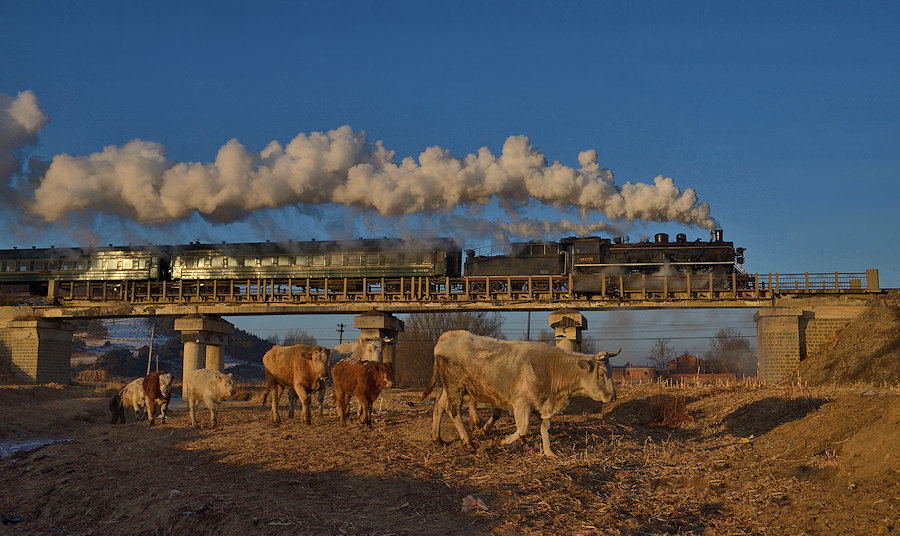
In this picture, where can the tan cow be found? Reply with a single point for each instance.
(210, 387)
(301, 367)
(516, 375)
(130, 396)
(364, 349)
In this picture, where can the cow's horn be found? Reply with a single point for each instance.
(615, 354)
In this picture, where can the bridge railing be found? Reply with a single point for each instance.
(815, 283)
(595, 287)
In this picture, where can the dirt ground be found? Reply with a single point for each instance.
(737, 459)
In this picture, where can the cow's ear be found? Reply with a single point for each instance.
(586, 365)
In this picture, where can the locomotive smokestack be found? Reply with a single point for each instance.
(715, 235)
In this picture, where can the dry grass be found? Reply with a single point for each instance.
(92, 376)
(248, 390)
(706, 459)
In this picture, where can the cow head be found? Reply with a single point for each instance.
(319, 356)
(165, 384)
(227, 383)
(597, 379)
(373, 350)
(386, 373)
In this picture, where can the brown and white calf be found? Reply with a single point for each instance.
(210, 387)
(363, 380)
(157, 390)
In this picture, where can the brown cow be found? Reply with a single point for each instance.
(362, 379)
(157, 390)
(367, 350)
(301, 367)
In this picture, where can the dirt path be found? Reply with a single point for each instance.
(738, 460)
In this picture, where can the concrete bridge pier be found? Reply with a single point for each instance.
(373, 325)
(785, 336)
(204, 338)
(568, 325)
(36, 351)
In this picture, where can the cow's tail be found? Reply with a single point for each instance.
(435, 372)
(270, 381)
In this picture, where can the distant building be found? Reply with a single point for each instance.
(628, 373)
(691, 367)
(687, 364)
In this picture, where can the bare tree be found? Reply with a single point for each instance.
(299, 336)
(660, 354)
(589, 346)
(547, 336)
(415, 350)
(730, 352)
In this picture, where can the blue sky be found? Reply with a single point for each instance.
(783, 117)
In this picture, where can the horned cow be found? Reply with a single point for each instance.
(516, 375)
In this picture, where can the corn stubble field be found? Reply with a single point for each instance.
(723, 459)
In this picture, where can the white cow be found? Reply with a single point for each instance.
(516, 375)
(130, 396)
(209, 386)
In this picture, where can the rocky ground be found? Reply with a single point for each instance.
(727, 459)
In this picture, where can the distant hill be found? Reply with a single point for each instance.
(121, 346)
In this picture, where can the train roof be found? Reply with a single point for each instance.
(309, 246)
(275, 247)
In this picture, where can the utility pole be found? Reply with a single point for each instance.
(150, 355)
(340, 330)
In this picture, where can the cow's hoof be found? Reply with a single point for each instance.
(438, 442)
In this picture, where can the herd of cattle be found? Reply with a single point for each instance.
(519, 376)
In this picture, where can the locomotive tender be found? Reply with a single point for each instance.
(583, 258)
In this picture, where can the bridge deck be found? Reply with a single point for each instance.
(536, 289)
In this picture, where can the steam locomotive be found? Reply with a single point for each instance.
(582, 257)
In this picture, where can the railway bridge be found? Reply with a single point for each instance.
(796, 313)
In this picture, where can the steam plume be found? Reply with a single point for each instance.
(21, 119)
(137, 181)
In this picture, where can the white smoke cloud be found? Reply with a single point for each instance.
(21, 119)
(138, 182)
